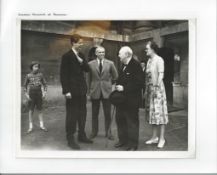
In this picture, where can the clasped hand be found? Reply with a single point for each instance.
(68, 95)
(119, 88)
(80, 60)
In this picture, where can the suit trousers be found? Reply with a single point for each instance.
(95, 113)
(127, 120)
(75, 114)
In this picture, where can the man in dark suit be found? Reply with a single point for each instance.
(74, 88)
(102, 74)
(130, 82)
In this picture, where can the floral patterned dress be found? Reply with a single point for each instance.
(156, 103)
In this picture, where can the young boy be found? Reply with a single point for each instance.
(35, 89)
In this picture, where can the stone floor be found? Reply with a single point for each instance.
(54, 139)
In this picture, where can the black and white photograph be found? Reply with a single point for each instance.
(108, 86)
(104, 85)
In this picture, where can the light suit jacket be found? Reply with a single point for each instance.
(101, 82)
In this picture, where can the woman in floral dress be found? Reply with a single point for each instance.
(156, 103)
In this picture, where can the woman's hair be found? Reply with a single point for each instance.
(75, 38)
(153, 46)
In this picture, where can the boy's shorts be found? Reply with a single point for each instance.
(35, 99)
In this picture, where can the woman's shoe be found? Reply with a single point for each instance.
(152, 141)
(161, 143)
(43, 129)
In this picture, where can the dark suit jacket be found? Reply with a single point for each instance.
(72, 74)
(132, 80)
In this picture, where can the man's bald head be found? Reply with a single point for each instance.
(127, 50)
(125, 54)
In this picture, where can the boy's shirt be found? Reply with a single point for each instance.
(35, 80)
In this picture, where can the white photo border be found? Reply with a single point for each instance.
(203, 105)
(190, 153)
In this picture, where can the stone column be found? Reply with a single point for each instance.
(157, 38)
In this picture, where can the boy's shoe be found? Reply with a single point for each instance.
(29, 130)
(110, 137)
(43, 129)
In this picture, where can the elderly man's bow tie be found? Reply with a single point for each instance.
(124, 66)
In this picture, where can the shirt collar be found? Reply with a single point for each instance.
(128, 60)
(75, 51)
(98, 61)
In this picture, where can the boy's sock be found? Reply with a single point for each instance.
(41, 124)
(30, 125)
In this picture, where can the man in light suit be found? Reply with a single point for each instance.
(102, 74)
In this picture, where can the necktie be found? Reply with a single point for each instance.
(100, 66)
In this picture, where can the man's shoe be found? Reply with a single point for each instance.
(110, 137)
(73, 145)
(84, 140)
(92, 136)
(134, 148)
(119, 144)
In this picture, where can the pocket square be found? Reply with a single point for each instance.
(128, 73)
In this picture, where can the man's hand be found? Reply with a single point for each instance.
(88, 97)
(44, 94)
(119, 88)
(80, 60)
(68, 95)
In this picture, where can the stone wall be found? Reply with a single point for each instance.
(179, 43)
(48, 47)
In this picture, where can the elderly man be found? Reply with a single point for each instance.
(130, 82)
(102, 74)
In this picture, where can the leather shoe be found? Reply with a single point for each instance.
(92, 136)
(43, 129)
(110, 137)
(119, 144)
(134, 148)
(73, 145)
(84, 140)
(29, 130)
